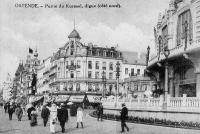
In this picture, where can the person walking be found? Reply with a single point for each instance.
(100, 112)
(10, 111)
(124, 116)
(53, 118)
(45, 115)
(19, 112)
(5, 107)
(30, 109)
(62, 117)
(79, 116)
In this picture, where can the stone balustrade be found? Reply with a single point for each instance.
(179, 104)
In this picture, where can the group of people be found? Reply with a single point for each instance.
(10, 108)
(59, 113)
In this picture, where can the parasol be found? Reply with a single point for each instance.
(70, 103)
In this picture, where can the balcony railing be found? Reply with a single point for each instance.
(86, 79)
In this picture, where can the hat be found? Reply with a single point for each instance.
(62, 104)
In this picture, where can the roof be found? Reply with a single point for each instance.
(134, 58)
(74, 34)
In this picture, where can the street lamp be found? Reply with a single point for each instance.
(147, 55)
(104, 83)
(166, 53)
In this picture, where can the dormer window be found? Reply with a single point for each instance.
(111, 54)
(104, 53)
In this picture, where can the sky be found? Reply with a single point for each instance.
(130, 27)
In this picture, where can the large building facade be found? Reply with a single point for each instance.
(77, 67)
(175, 65)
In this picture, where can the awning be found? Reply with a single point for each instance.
(36, 99)
(76, 98)
(94, 99)
(61, 98)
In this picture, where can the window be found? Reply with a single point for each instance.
(78, 74)
(104, 66)
(97, 64)
(126, 70)
(98, 53)
(66, 74)
(111, 54)
(72, 52)
(72, 75)
(164, 38)
(184, 27)
(72, 63)
(138, 71)
(78, 87)
(89, 52)
(110, 89)
(111, 66)
(132, 71)
(96, 75)
(78, 64)
(89, 74)
(96, 87)
(110, 76)
(66, 64)
(104, 53)
(90, 64)
(89, 87)
(70, 87)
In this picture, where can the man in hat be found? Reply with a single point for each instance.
(124, 116)
(45, 114)
(100, 112)
(62, 116)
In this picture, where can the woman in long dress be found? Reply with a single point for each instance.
(79, 116)
(53, 118)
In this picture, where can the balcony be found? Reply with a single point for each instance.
(176, 51)
(82, 79)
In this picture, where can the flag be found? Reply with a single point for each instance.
(30, 51)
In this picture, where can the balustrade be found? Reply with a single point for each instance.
(173, 103)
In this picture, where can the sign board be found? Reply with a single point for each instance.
(77, 98)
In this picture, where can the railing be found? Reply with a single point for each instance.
(179, 104)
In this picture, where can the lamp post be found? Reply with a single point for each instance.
(104, 83)
(117, 77)
(147, 55)
(166, 53)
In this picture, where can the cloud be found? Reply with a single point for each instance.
(48, 29)
(128, 37)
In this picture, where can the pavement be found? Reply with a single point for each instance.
(91, 126)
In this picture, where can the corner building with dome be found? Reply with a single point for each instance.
(77, 67)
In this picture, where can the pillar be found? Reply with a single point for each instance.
(177, 90)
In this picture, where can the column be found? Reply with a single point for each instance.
(176, 90)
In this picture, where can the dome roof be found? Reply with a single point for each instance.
(74, 34)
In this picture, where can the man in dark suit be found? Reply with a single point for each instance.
(62, 116)
(124, 116)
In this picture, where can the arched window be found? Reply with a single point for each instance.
(184, 28)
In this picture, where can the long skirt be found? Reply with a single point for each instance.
(52, 125)
(33, 120)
